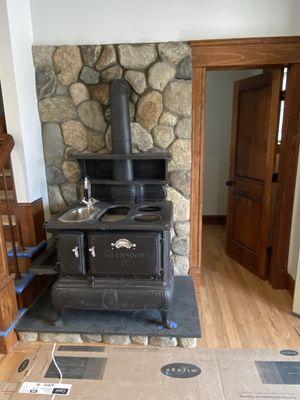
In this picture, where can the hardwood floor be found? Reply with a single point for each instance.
(238, 310)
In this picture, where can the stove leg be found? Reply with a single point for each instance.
(167, 323)
(59, 317)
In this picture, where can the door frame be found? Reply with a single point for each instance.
(244, 54)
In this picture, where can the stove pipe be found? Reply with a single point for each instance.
(121, 139)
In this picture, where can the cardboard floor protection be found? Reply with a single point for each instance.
(144, 323)
(120, 373)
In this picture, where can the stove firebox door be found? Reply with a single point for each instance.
(71, 253)
(125, 254)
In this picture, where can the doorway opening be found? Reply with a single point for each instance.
(243, 135)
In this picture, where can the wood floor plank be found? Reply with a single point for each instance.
(238, 310)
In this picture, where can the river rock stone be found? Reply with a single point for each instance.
(163, 341)
(180, 180)
(75, 134)
(173, 52)
(100, 93)
(67, 64)
(92, 338)
(182, 229)
(180, 246)
(79, 93)
(160, 74)
(56, 109)
(137, 56)
(53, 144)
(188, 343)
(60, 337)
(45, 81)
(139, 340)
(96, 141)
(90, 54)
(141, 139)
(163, 136)
(28, 336)
(89, 76)
(107, 58)
(184, 128)
(56, 201)
(184, 68)
(71, 171)
(111, 73)
(54, 175)
(61, 90)
(137, 80)
(180, 151)
(70, 153)
(178, 97)
(181, 205)
(116, 339)
(42, 55)
(69, 192)
(168, 119)
(149, 108)
(181, 265)
(90, 113)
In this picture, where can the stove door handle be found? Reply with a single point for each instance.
(123, 243)
(92, 251)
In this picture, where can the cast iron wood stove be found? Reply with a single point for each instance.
(114, 252)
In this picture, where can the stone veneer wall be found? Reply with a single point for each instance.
(72, 85)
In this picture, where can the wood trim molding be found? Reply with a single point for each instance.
(198, 114)
(214, 219)
(250, 52)
(290, 285)
(227, 54)
(287, 173)
(32, 219)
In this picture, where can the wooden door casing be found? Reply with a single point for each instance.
(252, 163)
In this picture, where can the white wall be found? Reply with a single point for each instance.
(219, 96)
(19, 95)
(295, 231)
(115, 21)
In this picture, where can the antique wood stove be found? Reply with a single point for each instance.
(114, 247)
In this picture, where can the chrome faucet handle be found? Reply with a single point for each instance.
(88, 200)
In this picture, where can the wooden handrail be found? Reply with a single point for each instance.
(6, 146)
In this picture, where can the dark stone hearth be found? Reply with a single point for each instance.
(184, 312)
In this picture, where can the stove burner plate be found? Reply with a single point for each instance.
(146, 217)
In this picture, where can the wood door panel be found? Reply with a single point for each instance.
(252, 162)
(246, 212)
(253, 116)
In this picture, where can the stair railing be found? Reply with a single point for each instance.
(6, 146)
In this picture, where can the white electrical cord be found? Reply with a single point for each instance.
(57, 367)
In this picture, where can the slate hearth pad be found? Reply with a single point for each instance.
(145, 323)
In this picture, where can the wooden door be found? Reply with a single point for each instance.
(252, 161)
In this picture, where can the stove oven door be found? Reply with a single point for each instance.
(71, 253)
(125, 254)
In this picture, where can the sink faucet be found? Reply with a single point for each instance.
(88, 200)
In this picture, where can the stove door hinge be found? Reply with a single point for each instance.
(275, 177)
(269, 250)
